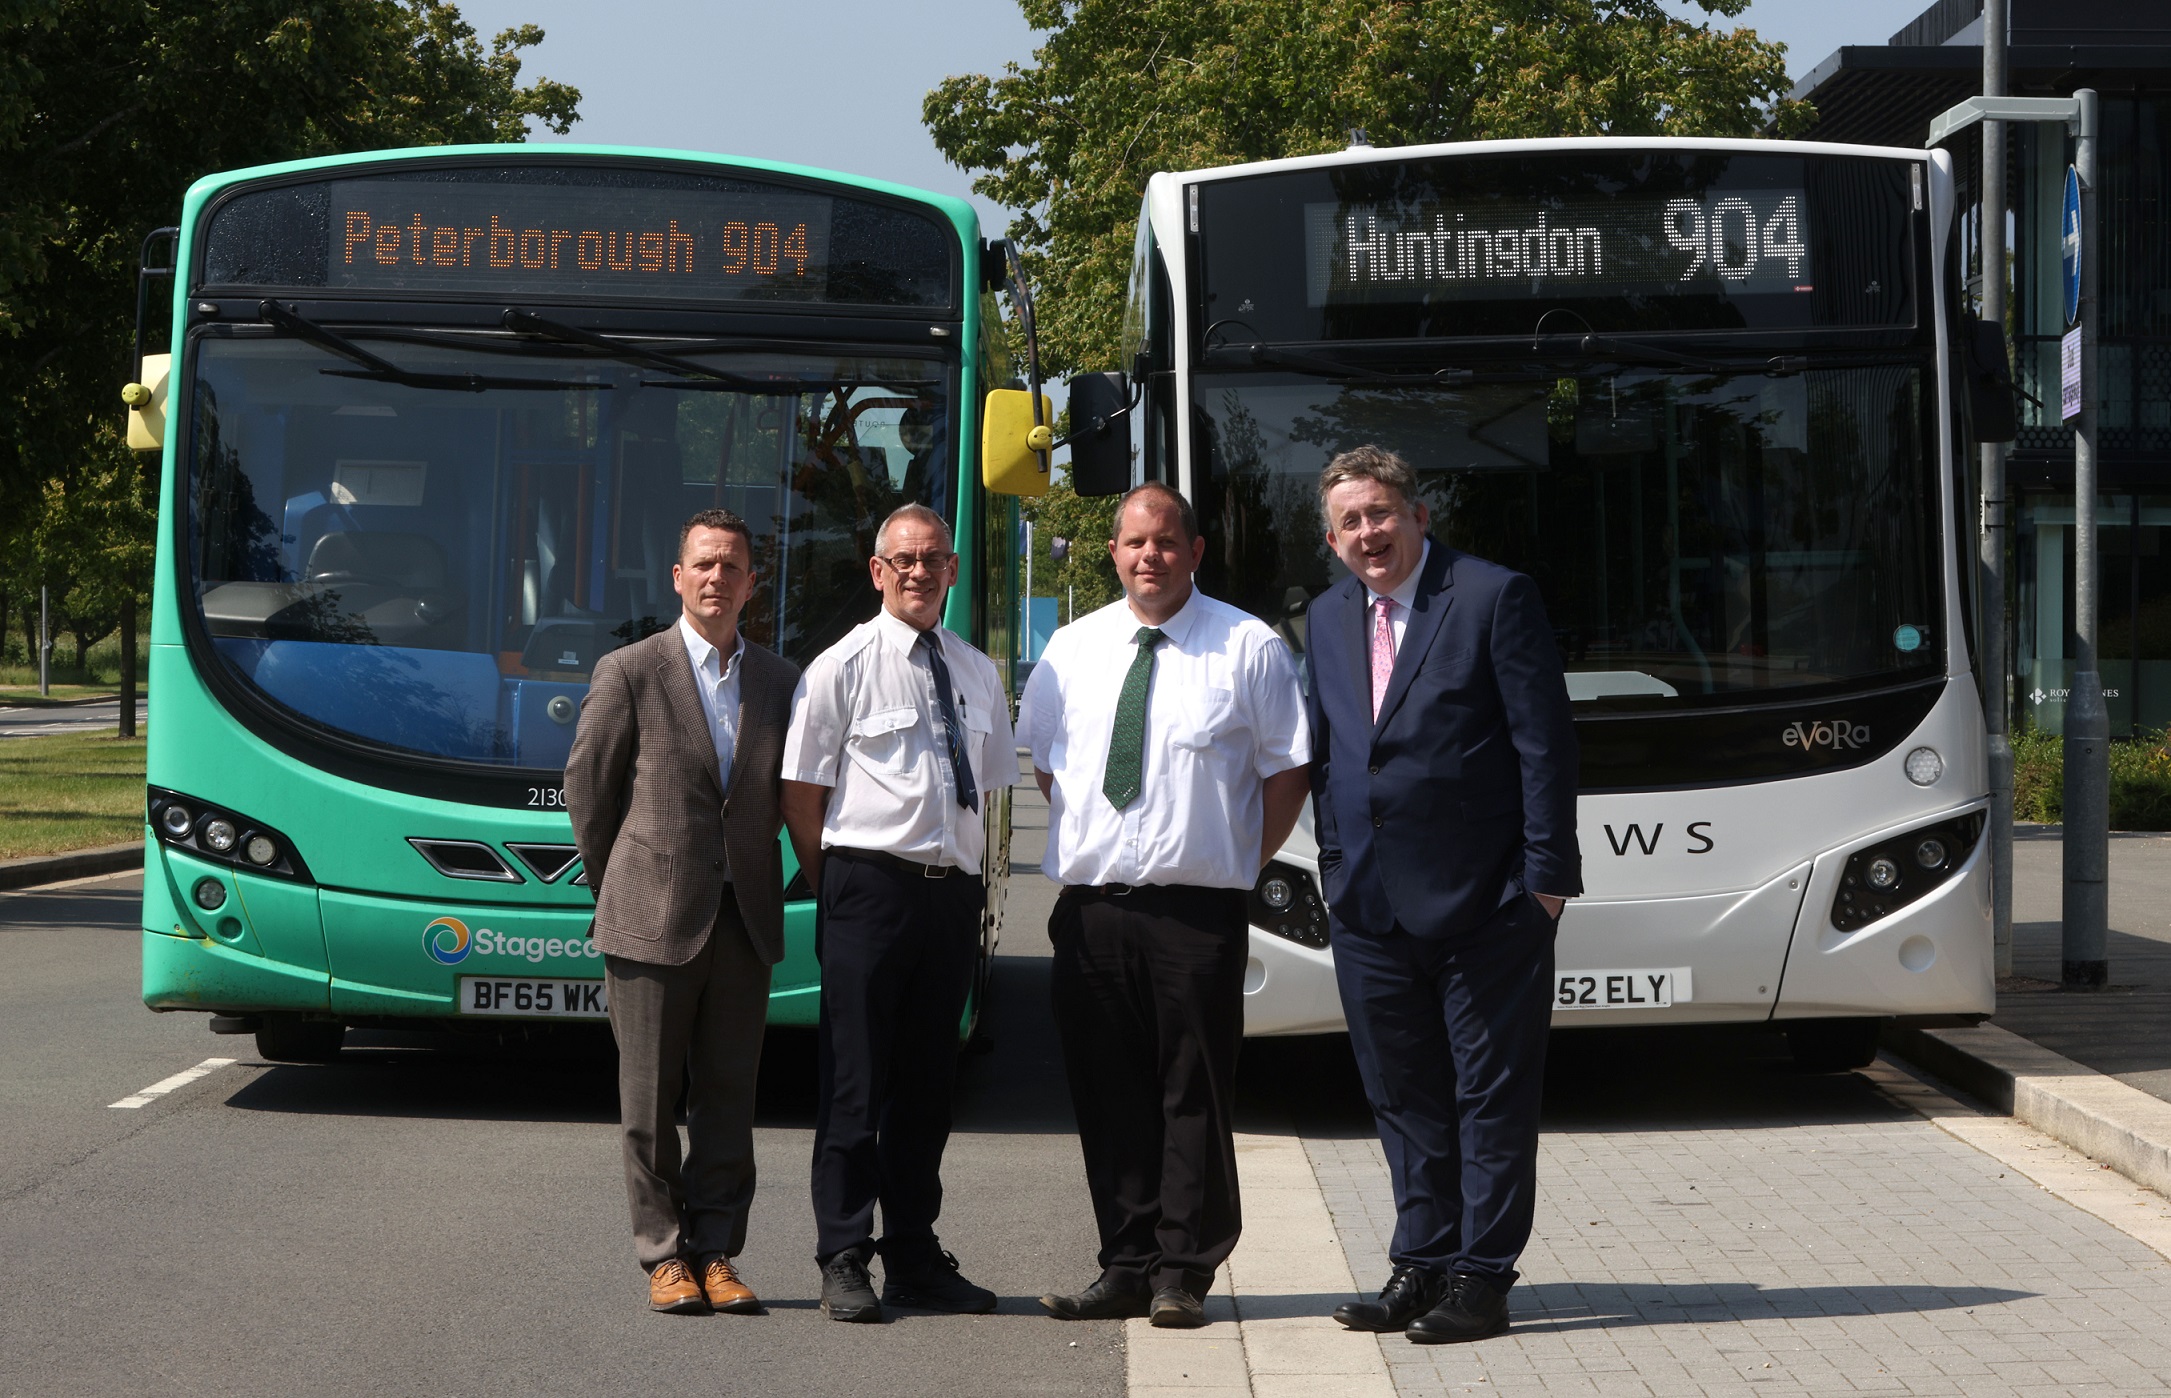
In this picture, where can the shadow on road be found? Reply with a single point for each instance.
(1547, 1308)
(1596, 1080)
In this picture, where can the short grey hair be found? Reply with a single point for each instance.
(917, 512)
(1370, 462)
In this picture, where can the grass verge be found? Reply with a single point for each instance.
(2140, 780)
(63, 695)
(69, 792)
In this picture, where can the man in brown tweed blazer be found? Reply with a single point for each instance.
(672, 785)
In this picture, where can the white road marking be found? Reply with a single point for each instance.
(165, 1085)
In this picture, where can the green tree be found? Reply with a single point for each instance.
(1122, 88)
(109, 109)
(1086, 579)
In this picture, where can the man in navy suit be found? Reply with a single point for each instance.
(1444, 790)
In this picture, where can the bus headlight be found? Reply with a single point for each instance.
(1924, 766)
(1286, 903)
(223, 836)
(1887, 876)
(210, 895)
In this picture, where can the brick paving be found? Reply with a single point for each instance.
(1785, 1235)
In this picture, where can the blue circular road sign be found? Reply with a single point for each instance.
(2070, 242)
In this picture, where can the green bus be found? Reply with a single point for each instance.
(430, 422)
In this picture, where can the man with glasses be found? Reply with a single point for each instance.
(900, 734)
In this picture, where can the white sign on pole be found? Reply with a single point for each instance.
(2069, 374)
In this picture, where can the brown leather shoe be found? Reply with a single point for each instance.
(672, 1288)
(726, 1292)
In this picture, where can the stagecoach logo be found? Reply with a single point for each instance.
(446, 941)
(1836, 734)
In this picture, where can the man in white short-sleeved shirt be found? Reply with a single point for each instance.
(900, 733)
(1167, 731)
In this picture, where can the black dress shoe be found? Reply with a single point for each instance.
(1110, 1298)
(1472, 1309)
(1409, 1293)
(1176, 1309)
(934, 1285)
(848, 1292)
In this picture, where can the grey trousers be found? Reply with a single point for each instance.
(699, 1026)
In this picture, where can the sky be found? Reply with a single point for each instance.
(838, 83)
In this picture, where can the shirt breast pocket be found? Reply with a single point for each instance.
(979, 725)
(1208, 713)
(882, 741)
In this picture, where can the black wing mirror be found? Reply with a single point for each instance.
(1993, 401)
(1100, 439)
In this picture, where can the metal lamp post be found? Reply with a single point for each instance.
(2084, 961)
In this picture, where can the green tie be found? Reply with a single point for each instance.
(1127, 740)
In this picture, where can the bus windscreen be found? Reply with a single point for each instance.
(1627, 240)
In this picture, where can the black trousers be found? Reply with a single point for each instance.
(1450, 1037)
(897, 953)
(1148, 989)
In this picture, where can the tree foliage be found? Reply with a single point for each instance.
(1086, 578)
(1123, 88)
(109, 110)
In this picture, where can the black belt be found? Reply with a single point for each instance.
(899, 863)
(1125, 890)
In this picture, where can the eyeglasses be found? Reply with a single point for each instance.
(1377, 517)
(904, 563)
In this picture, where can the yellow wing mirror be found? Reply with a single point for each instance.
(146, 402)
(1013, 446)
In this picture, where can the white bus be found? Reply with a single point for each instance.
(1713, 396)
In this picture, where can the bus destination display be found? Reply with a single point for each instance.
(444, 236)
(1731, 241)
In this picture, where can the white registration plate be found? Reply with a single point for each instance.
(1645, 989)
(525, 997)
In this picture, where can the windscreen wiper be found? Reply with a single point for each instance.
(704, 376)
(1338, 369)
(379, 369)
(1643, 351)
(1595, 344)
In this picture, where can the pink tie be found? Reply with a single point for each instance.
(1383, 654)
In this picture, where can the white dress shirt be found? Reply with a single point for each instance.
(865, 721)
(1404, 596)
(1224, 714)
(716, 680)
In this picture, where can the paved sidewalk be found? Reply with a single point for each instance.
(2124, 1030)
(1800, 1253)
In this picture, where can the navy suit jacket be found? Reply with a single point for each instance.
(1463, 795)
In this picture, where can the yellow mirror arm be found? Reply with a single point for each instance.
(135, 395)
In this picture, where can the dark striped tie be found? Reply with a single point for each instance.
(1127, 740)
(953, 732)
